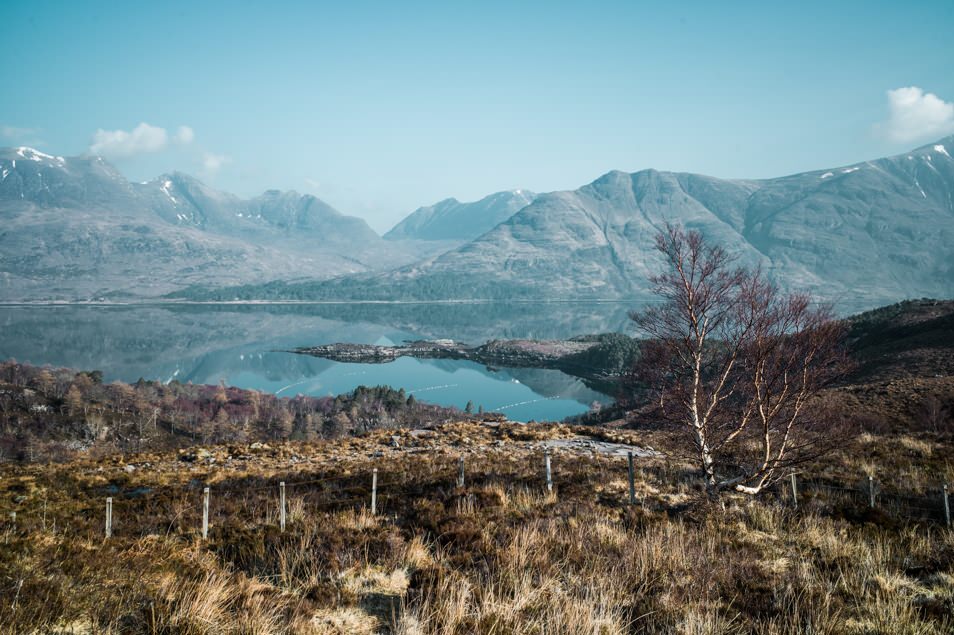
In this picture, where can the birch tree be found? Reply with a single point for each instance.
(734, 362)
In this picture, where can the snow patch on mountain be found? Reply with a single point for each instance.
(35, 155)
(166, 185)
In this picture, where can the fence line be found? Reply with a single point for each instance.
(937, 507)
(866, 492)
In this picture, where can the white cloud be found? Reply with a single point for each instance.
(916, 115)
(212, 162)
(119, 143)
(184, 135)
(146, 138)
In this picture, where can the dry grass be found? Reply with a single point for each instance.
(501, 555)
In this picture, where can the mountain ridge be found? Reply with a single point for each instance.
(75, 228)
(451, 219)
(872, 231)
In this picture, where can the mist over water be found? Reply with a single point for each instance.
(243, 345)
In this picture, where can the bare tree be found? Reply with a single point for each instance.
(733, 362)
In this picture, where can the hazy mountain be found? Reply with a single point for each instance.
(865, 233)
(75, 228)
(184, 200)
(452, 220)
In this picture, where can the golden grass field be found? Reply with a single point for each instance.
(500, 555)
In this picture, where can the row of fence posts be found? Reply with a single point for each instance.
(460, 484)
(947, 506)
(282, 507)
(871, 494)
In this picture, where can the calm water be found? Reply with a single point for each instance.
(242, 345)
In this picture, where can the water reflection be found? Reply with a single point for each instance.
(242, 345)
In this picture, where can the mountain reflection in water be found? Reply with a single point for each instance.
(241, 344)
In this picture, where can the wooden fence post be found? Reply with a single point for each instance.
(794, 491)
(109, 517)
(281, 508)
(546, 456)
(374, 491)
(632, 478)
(871, 492)
(947, 506)
(460, 472)
(205, 513)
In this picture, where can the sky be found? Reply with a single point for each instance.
(381, 107)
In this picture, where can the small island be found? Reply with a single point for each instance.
(597, 359)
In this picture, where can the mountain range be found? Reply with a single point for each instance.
(865, 234)
(869, 233)
(74, 228)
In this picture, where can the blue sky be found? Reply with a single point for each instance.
(379, 108)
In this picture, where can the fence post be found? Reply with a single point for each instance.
(281, 509)
(109, 517)
(794, 491)
(546, 455)
(460, 472)
(632, 478)
(947, 506)
(374, 491)
(205, 513)
(871, 492)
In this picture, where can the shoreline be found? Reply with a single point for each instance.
(79, 303)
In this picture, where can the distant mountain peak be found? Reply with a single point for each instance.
(32, 154)
(452, 220)
(27, 156)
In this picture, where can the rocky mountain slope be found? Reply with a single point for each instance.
(75, 228)
(864, 234)
(455, 221)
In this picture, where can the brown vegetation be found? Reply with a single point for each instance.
(57, 414)
(500, 555)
